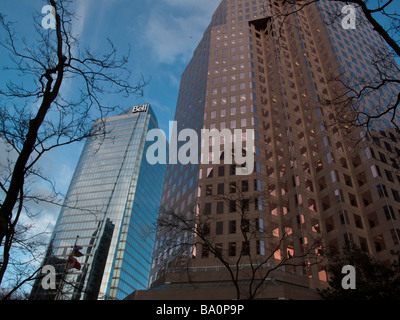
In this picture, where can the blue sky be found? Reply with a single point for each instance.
(162, 35)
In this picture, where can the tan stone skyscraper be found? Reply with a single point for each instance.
(317, 182)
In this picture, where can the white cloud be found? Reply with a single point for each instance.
(175, 27)
(42, 215)
(174, 80)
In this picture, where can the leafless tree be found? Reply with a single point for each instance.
(38, 115)
(249, 267)
(15, 291)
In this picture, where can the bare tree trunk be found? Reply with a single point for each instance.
(49, 66)
(18, 175)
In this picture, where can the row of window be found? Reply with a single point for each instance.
(383, 157)
(234, 225)
(233, 187)
(232, 249)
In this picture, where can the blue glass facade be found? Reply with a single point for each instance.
(110, 210)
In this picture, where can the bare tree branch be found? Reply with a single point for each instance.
(38, 114)
(244, 264)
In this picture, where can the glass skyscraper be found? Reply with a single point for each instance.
(110, 212)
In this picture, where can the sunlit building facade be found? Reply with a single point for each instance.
(315, 179)
(110, 212)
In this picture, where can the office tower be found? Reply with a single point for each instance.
(315, 179)
(110, 213)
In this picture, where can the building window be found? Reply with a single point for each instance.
(221, 171)
(206, 229)
(396, 195)
(378, 170)
(358, 221)
(382, 157)
(209, 190)
(378, 246)
(232, 205)
(389, 212)
(260, 247)
(395, 235)
(232, 249)
(376, 141)
(245, 225)
(246, 248)
(353, 200)
(245, 186)
(259, 225)
(389, 175)
(257, 185)
(219, 228)
(244, 205)
(382, 190)
(232, 187)
(258, 204)
(220, 188)
(207, 208)
(394, 164)
(205, 251)
(232, 227)
(218, 249)
(220, 207)
(388, 147)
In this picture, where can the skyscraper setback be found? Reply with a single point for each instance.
(317, 183)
